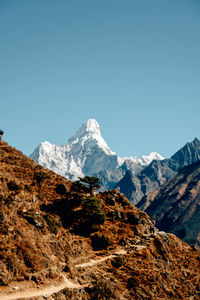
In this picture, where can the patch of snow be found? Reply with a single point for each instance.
(145, 160)
(152, 156)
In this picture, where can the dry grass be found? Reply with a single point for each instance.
(155, 266)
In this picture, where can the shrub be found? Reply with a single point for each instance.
(7, 200)
(1, 217)
(110, 201)
(132, 282)
(76, 186)
(92, 211)
(91, 203)
(2, 199)
(115, 215)
(99, 242)
(117, 262)
(102, 289)
(13, 186)
(96, 216)
(28, 188)
(85, 228)
(61, 189)
(3, 282)
(40, 197)
(3, 229)
(132, 219)
(88, 219)
(41, 176)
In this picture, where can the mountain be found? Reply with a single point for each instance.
(87, 154)
(59, 242)
(135, 186)
(175, 206)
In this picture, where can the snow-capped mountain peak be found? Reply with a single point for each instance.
(144, 160)
(89, 135)
(91, 127)
(86, 153)
(147, 159)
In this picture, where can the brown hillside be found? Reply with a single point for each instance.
(59, 242)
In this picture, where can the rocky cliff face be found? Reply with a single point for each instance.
(176, 205)
(110, 178)
(59, 242)
(135, 186)
(187, 155)
(88, 154)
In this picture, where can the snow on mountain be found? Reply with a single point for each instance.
(51, 157)
(145, 159)
(86, 153)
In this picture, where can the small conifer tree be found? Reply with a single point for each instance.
(91, 182)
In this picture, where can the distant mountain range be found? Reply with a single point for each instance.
(175, 206)
(135, 186)
(87, 153)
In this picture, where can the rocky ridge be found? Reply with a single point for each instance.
(57, 239)
(137, 185)
(176, 205)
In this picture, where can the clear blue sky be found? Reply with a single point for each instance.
(133, 65)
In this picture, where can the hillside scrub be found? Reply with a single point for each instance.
(47, 234)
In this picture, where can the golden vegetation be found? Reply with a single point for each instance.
(49, 225)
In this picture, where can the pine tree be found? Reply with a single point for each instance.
(91, 182)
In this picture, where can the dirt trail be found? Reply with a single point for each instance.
(93, 262)
(49, 290)
(43, 291)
